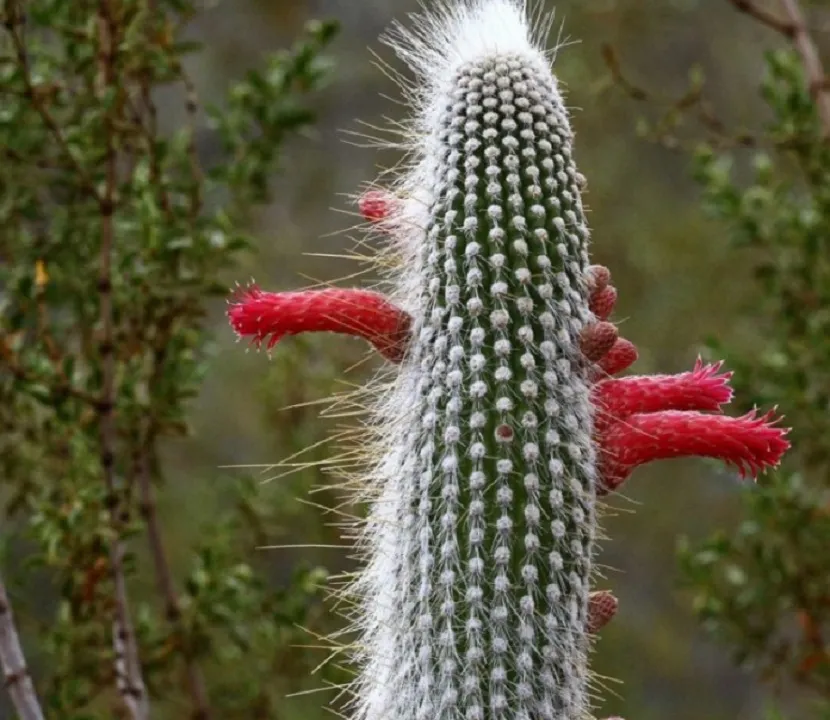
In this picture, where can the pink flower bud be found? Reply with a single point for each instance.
(374, 205)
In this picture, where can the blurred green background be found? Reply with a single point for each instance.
(679, 284)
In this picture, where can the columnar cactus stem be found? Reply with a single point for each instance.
(502, 423)
(477, 591)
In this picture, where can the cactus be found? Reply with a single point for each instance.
(501, 425)
(478, 591)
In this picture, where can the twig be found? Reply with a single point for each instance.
(128, 666)
(15, 674)
(764, 17)
(191, 108)
(692, 100)
(59, 389)
(794, 28)
(817, 82)
(164, 579)
(13, 22)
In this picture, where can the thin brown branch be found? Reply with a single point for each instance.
(191, 107)
(164, 577)
(165, 585)
(60, 388)
(794, 28)
(14, 20)
(673, 109)
(612, 62)
(816, 79)
(128, 666)
(149, 133)
(15, 673)
(765, 17)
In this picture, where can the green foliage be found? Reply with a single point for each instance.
(113, 240)
(765, 588)
(235, 618)
(261, 110)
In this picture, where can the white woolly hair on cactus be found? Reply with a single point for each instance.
(472, 602)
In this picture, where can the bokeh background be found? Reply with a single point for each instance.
(679, 283)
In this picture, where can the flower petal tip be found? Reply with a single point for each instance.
(713, 384)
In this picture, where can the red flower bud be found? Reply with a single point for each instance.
(374, 205)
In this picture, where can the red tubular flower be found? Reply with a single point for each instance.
(704, 388)
(362, 313)
(751, 443)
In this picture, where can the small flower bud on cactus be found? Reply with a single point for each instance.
(375, 205)
(602, 606)
(621, 356)
(502, 424)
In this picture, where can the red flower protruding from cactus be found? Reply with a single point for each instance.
(640, 419)
(603, 296)
(704, 388)
(362, 313)
(751, 443)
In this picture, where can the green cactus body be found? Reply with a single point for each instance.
(481, 533)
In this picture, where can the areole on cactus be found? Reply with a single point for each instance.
(502, 423)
